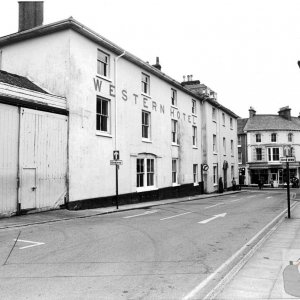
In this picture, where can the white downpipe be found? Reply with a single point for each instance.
(116, 102)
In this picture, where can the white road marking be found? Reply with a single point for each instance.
(251, 196)
(214, 217)
(31, 242)
(233, 196)
(214, 205)
(143, 214)
(269, 197)
(235, 200)
(176, 216)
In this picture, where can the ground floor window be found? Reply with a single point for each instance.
(258, 175)
(195, 173)
(145, 172)
(267, 176)
(215, 174)
(174, 171)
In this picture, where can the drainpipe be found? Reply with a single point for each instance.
(116, 102)
(18, 213)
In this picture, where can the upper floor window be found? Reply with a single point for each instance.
(214, 114)
(231, 148)
(290, 137)
(224, 146)
(240, 156)
(103, 115)
(194, 128)
(173, 97)
(194, 107)
(273, 137)
(239, 140)
(215, 149)
(174, 131)
(273, 154)
(258, 154)
(231, 123)
(223, 118)
(146, 124)
(258, 138)
(215, 175)
(102, 63)
(145, 84)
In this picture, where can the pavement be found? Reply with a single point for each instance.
(268, 271)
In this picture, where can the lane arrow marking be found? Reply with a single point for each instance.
(214, 217)
(31, 242)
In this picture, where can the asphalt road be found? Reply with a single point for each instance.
(161, 252)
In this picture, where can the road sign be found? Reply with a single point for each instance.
(116, 162)
(116, 155)
(287, 159)
(205, 167)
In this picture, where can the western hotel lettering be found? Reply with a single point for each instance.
(147, 103)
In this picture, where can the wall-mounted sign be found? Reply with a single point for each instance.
(205, 167)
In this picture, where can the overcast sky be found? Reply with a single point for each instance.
(245, 50)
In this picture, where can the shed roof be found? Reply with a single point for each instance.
(19, 81)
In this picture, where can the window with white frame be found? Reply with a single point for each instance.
(146, 124)
(215, 148)
(273, 154)
(258, 138)
(174, 131)
(224, 146)
(102, 63)
(215, 175)
(290, 137)
(194, 108)
(145, 84)
(145, 172)
(258, 153)
(195, 173)
(273, 137)
(214, 114)
(231, 148)
(174, 171)
(194, 128)
(173, 97)
(223, 118)
(103, 115)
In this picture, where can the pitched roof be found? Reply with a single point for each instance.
(73, 24)
(240, 125)
(271, 122)
(19, 81)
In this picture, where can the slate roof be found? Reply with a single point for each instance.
(19, 81)
(240, 125)
(271, 122)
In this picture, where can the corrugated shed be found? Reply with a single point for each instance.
(19, 81)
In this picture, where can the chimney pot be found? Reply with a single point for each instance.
(157, 65)
(31, 14)
(252, 112)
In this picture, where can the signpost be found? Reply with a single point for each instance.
(287, 159)
(117, 162)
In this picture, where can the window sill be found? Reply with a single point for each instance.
(146, 141)
(194, 115)
(195, 147)
(104, 134)
(175, 145)
(175, 184)
(146, 95)
(196, 183)
(173, 106)
(104, 78)
(215, 153)
(146, 189)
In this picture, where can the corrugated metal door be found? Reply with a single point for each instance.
(43, 159)
(9, 128)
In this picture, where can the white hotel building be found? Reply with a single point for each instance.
(165, 131)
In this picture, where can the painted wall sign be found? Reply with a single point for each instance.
(146, 103)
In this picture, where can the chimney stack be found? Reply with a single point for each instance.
(157, 65)
(285, 112)
(31, 14)
(252, 112)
